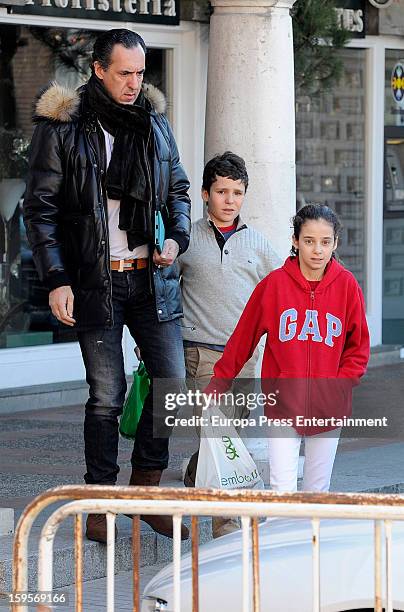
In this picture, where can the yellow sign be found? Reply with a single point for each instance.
(397, 83)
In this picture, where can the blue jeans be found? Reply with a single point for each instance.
(162, 352)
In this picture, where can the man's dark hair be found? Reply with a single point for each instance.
(228, 165)
(105, 42)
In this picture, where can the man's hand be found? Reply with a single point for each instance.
(168, 254)
(61, 304)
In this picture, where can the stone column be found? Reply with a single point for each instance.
(250, 106)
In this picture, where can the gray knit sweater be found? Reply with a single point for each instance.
(216, 286)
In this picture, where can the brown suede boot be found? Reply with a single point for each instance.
(222, 525)
(159, 524)
(96, 528)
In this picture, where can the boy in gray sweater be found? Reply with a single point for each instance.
(224, 262)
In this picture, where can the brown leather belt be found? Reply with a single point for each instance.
(126, 265)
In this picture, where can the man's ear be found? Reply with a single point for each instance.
(205, 195)
(98, 70)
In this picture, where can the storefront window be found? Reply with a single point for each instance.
(393, 204)
(394, 88)
(330, 156)
(32, 57)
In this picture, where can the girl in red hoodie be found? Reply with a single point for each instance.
(317, 347)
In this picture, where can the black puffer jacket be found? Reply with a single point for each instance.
(65, 208)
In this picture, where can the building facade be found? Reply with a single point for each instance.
(349, 148)
(46, 40)
(349, 154)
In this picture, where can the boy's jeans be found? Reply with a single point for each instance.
(162, 352)
(200, 362)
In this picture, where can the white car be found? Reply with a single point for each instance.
(346, 570)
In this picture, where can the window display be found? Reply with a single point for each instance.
(330, 155)
(31, 58)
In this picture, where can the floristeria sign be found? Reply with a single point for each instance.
(143, 11)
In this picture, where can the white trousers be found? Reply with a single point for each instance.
(319, 455)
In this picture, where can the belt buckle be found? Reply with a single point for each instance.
(121, 265)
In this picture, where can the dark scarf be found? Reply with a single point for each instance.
(130, 172)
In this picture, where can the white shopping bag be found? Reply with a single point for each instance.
(224, 462)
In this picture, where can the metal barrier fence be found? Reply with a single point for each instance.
(197, 502)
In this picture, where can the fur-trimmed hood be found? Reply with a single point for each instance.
(60, 103)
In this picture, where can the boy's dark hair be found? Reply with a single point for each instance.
(315, 212)
(105, 42)
(228, 165)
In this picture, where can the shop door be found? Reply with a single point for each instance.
(393, 236)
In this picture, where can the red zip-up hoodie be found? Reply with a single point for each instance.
(317, 334)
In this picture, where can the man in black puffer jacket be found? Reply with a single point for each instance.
(103, 160)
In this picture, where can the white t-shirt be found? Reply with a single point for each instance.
(118, 240)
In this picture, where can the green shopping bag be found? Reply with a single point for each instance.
(134, 403)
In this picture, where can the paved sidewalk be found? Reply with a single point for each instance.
(95, 591)
(40, 449)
